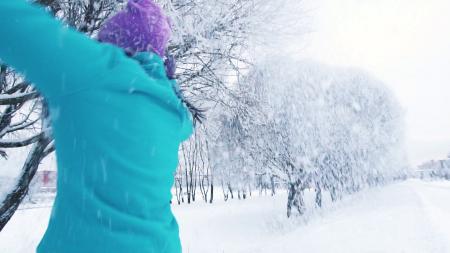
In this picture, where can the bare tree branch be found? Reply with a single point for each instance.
(21, 143)
(17, 99)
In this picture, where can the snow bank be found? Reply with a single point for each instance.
(411, 217)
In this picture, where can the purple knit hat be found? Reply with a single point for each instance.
(141, 27)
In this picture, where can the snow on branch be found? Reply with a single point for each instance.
(20, 143)
(6, 99)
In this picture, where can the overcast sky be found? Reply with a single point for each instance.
(405, 43)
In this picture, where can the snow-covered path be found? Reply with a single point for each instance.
(410, 217)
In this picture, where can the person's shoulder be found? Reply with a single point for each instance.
(152, 64)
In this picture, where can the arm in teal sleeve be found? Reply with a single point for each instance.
(57, 59)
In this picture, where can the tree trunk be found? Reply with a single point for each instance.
(295, 200)
(12, 201)
(212, 193)
(299, 203)
(225, 194)
(333, 194)
(291, 196)
(231, 191)
(272, 185)
(318, 195)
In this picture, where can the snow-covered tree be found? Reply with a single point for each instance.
(211, 44)
(335, 130)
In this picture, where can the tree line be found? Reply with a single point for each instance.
(299, 125)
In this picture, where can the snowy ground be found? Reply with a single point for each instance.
(410, 217)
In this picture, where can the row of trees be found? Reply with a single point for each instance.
(302, 125)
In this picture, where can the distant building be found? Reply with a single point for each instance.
(435, 169)
(46, 180)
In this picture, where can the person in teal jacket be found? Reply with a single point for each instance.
(117, 124)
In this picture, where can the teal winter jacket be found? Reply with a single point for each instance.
(117, 124)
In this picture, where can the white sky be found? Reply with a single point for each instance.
(405, 43)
